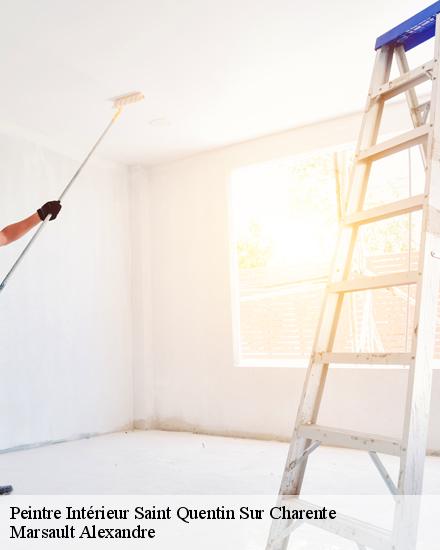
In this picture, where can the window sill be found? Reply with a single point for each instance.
(303, 364)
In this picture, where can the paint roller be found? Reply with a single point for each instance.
(119, 102)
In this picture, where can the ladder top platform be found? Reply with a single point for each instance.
(413, 31)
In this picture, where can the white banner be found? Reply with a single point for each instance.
(214, 521)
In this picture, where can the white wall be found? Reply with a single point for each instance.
(143, 370)
(65, 317)
(187, 242)
(131, 287)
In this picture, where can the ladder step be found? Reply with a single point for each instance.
(361, 532)
(405, 81)
(378, 281)
(379, 213)
(396, 144)
(349, 439)
(364, 358)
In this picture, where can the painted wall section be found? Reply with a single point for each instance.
(65, 317)
(143, 371)
(197, 388)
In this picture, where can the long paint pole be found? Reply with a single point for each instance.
(63, 194)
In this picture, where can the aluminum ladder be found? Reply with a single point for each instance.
(308, 433)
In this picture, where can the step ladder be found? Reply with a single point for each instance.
(308, 433)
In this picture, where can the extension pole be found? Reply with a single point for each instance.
(63, 194)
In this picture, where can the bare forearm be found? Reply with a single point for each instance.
(11, 233)
(16, 230)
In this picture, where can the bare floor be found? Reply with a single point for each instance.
(155, 462)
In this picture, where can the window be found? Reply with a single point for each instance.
(285, 216)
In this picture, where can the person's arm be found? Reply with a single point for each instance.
(16, 230)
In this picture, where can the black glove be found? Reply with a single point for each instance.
(52, 207)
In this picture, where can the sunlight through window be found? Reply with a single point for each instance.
(285, 215)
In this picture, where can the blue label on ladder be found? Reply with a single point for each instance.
(413, 31)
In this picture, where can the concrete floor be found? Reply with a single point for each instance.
(155, 462)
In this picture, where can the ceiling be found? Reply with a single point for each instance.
(214, 72)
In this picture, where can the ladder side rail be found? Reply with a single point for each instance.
(420, 375)
(326, 332)
(411, 97)
(416, 422)
(316, 373)
(342, 262)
